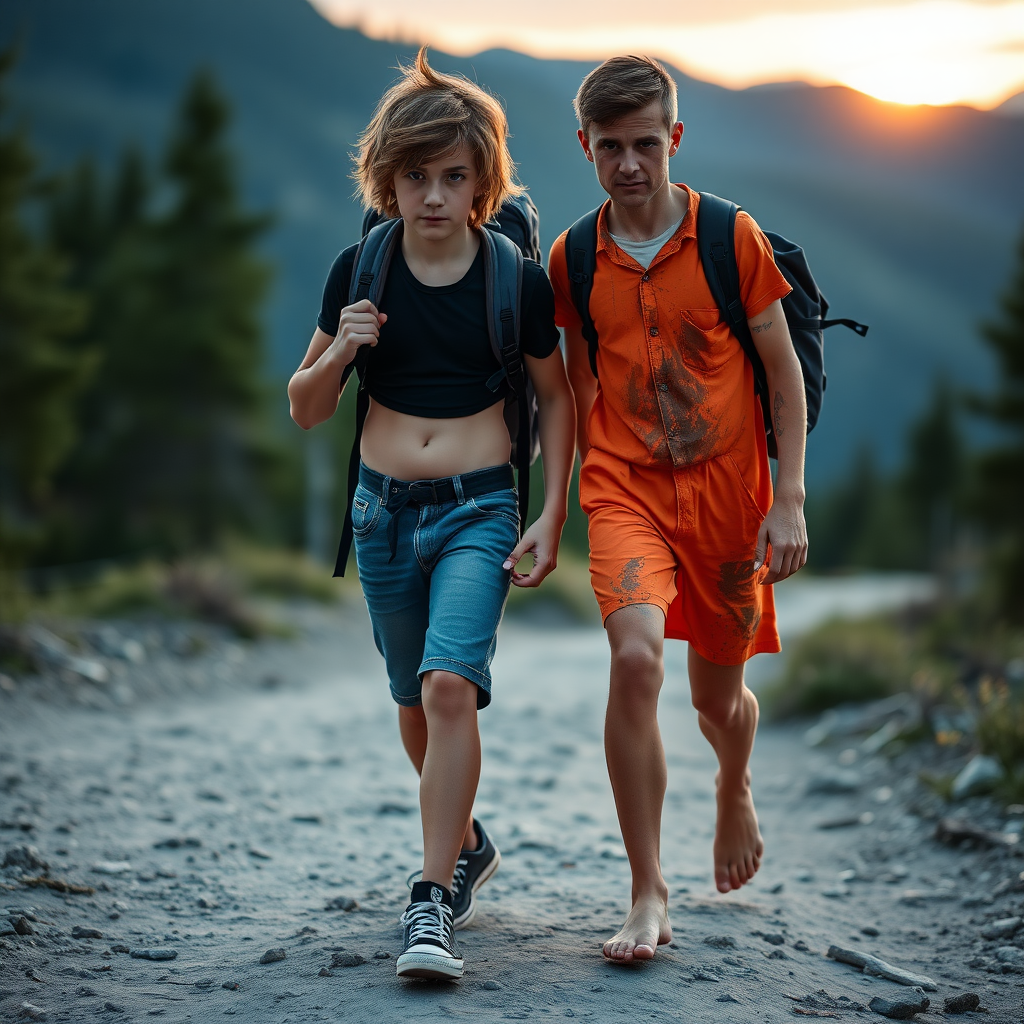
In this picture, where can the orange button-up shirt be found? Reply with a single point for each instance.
(674, 385)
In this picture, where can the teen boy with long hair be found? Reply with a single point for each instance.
(675, 478)
(435, 573)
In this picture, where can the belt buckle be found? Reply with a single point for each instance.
(423, 491)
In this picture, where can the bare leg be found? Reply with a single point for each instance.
(636, 766)
(450, 770)
(727, 712)
(412, 724)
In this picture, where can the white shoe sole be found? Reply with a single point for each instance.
(428, 965)
(470, 912)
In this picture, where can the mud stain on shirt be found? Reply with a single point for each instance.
(691, 436)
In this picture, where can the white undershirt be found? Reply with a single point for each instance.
(645, 251)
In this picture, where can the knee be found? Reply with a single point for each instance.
(720, 707)
(637, 671)
(448, 696)
(412, 716)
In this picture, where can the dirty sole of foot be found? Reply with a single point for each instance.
(428, 965)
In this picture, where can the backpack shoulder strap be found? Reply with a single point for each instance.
(373, 257)
(503, 277)
(716, 227)
(581, 263)
(369, 272)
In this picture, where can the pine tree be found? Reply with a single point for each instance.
(40, 372)
(173, 454)
(930, 488)
(1000, 492)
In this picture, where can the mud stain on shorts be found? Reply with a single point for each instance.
(629, 584)
(736, 585)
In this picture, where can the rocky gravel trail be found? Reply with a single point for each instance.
(230, 833)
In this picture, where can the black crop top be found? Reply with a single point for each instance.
(434, 355)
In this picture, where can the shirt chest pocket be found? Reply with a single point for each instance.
(705, 343)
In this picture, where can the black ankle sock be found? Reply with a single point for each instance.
(430, 892)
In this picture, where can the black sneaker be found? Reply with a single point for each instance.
(472, 869)
(429, 949)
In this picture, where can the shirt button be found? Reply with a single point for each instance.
(654, 332)
(646, 277)
(663, 387)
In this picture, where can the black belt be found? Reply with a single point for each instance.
(437, 492)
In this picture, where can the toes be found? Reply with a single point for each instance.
(722, 878)
(643, 952)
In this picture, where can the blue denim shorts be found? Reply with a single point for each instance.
(436, 603)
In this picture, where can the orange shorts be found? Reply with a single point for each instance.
(684, 540)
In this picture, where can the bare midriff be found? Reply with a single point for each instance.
(418, 448)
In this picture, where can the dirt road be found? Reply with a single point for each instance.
(268, 808)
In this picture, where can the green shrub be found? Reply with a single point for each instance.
(1000, 732)
(840, 662)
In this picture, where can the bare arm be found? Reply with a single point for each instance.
(315, 387)
(583, 381)
(557, 439)
(784, 527)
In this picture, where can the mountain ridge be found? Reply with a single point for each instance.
(909, 215)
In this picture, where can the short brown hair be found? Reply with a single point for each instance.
(622, 85)
(426, 115)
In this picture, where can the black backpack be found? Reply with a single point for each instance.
(805, 307)
(517, 225)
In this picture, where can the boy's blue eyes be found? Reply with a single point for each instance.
(420, 176)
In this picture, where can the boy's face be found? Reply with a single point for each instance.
(436, 199)
(631, 154)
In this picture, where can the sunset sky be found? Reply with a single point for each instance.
(907, 51)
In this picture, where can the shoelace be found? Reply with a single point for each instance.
(427, 921)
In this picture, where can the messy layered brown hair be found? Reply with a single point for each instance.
(622, 85)
(424, 116)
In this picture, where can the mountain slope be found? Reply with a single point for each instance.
(908, 215)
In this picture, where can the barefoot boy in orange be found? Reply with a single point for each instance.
(686, 536)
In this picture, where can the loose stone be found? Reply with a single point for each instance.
(902, 1008)
(347, 960)
(720, 941)
(154, 954)
(272, 956)
(78, 932)
(345, 903)
(1002, 929)
(28, 858)
(965, 1002)
(493, 986)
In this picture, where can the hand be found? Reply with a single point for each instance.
(360, 325)
(542, 540)
(785, 530)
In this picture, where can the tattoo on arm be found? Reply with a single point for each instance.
(758, 328)
(780, 403)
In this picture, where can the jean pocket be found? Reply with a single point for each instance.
(366, 509)
(503, 504)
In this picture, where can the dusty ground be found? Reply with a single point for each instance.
(259, 785)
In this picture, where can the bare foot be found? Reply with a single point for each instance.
(646, 928)
(738, 846)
